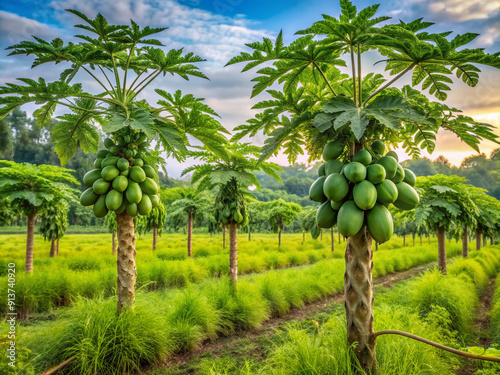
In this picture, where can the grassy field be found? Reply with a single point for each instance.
(177, 317)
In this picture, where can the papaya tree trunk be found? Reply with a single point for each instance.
(376, 246)
(249, 234)
(233, 253)
(441, 250)
(465, 243)
(321, 234)
(52, 248)
(492, 240)
(279, 236)
(155, 237)
(113, 240)
(478, 240)
(339, 237)
(420, 240)
(223, 236)
(127, 273)
(57, 246)
(404, 240)
(303, 237)
(413, 239)
(190, 234)
(30, 243)
(333, 239)
(484, 240)
(358, 291)
(429, 237)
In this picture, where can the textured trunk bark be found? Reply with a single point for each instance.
(52, 248)
(478, 240)
(333, 240)
(127, 273)
(441, 250)
(376, 246)
(29, 243)
(358, 291)
(57, 246)
(190, 234)
(279, 237)
(465, 243)
(113, 239)
(233, 253)
(492, 240)
(155, 238)
(223, 236)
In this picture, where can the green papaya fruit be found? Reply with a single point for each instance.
(387, 192)
(122, 207)
(101, 154)
(365, 195)
(155, 200)
(390, 165)
(399, 176)
(97, 163)
(149, 186)
(108, 142)
(410, 177)
(127, 139)
(91, 176)
(363, 157)
(350, 219)
(378, 147)
(125, 172)
(321, 170)
(114, 200)
(393, 154)
(375, 173)
(133, 192)
(131, 209)
(326, 217)
(408, 198)
(101, 187)
(355, 172)
(150, 172)
(380, 224)
(333, 166)
(120, 183)
(114, 150)
(129, 154)
(138, 162)
(122, 164)
(333, 150)
(110, 160)
(88, 197)
(142, 138)
(144, 207)
(316, 193)
(100, 209)
(109, 173)
(336, 187)
(137, 174)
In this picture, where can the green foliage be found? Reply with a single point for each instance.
(316, 100)
(110, 221)
(54, 220)
(30, 188)
(280, 213)
(155, 219)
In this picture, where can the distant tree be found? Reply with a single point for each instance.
(255, 210)
(230, 176)
(30, 189)
(6, 141)
(488, 218)
(154, 221)
(280, 213)
(445, 201)
(110, 222)
(307, 219)
(54, 222)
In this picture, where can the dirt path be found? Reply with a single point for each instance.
(216, 348)
(481, 326)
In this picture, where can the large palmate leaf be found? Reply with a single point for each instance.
(389, 111)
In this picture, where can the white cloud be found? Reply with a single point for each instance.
(213, 36)
(14, 28)
(460, 10)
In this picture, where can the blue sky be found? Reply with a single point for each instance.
(218, 30)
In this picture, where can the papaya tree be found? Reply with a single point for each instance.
(31, 189)
(110, 222)
(54, 222)
(122, 61)
(280, 213)
(307, 222)
(154, 221)
(445, 202)
(254, 215)
(343, 117)
(185, 210)
(230, 177)
(488, 218)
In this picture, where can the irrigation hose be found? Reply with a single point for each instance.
(435, 344)
(59, 366)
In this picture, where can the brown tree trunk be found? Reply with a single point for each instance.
(484, 240)
(404, 240)
(358, 291)
(30, 243)
(233, 253)
(52, 248)
(57, 246)
(155, 238)
(465, 243)
(127, 273)
(420, 240)
(249, 234)
(113, 239)
(492, 240)
(339, 237)
(478, 240)
(333, 239)
(223, 236)
(413, 238)
(279, 237)
(376, 246)
(190, 234)
(441, 250)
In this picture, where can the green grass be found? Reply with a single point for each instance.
(179, 319)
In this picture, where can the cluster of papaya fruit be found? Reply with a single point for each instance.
(230, 206)
(359, 191)
(122, 180)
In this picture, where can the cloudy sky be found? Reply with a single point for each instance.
(218, 30)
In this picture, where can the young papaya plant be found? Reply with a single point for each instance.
(343, 118)
(123, 60)
(31, 189)
(230, 175)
